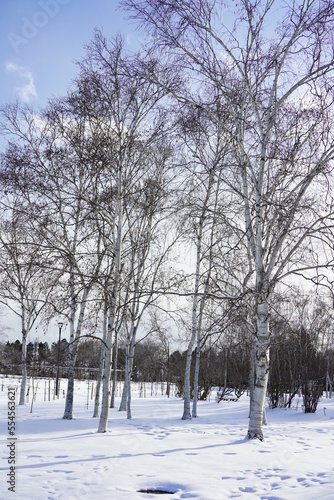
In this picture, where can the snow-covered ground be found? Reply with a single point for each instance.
(206, 458)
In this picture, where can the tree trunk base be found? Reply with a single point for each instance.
(186, 416)
(255, 435)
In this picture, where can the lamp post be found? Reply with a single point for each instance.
(60, 325)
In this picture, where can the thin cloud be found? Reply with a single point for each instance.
(27, 90)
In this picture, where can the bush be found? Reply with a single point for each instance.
(312, 392)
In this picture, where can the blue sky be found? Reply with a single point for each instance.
(41, 39)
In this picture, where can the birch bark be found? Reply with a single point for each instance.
(114, 300)
(115, 363)
(24, 365)
(101, 364)
(196, 317)
(261, 348)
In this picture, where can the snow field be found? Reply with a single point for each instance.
(207, 458)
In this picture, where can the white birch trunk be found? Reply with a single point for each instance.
(196, 375)
(74, 339)
(99, 383)
(128, 402)
(187, 389)
(115, 362)
(101, 365)
(126, 395)
(198, 327)
(24, 367)
(197, 321)
(122, 406)
(257, 404)
(130, 348)
(68, 412)
(103, 422)
(131, 354)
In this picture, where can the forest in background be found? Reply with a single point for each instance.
(301, 352)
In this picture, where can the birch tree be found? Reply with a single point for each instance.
(146, 255)
(80, 237)
(49, 166)
(205, 149)
(276, 76)
(25, 283)
(121, 98)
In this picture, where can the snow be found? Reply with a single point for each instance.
(207, 458)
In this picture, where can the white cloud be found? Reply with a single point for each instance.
(27, 90)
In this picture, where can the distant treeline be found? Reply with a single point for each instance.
(297, 360)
